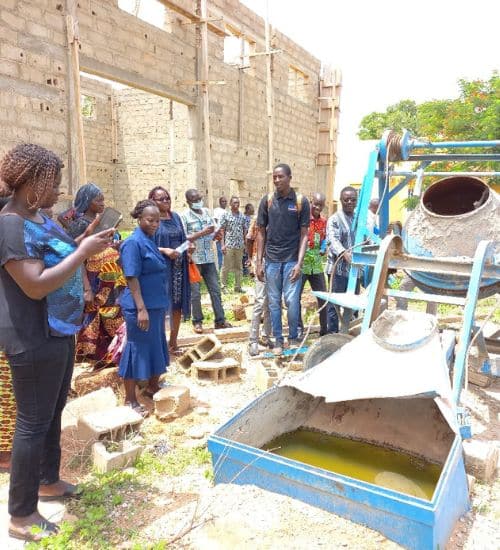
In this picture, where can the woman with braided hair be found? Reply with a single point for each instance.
(41, 307)
(144, 305)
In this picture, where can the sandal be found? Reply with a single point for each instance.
(71, 491)
(27, 533)
(198, 328)
(139, 409)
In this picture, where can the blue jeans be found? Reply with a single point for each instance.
(220, 255)
(211, 278)
(278, 283)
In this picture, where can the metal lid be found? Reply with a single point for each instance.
(403, 330)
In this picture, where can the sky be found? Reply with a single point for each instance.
(387, 51)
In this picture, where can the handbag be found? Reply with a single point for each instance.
(194, 273)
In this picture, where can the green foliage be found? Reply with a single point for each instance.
(411, 202)
(173, 463)
(99, 497)
(402, 115)
(87, 104)
(473, 115)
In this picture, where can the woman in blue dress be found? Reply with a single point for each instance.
(144, 304)
(171, 234)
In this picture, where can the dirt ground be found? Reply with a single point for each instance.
(188, 511)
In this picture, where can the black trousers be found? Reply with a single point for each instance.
(41, 379)
(317, 282)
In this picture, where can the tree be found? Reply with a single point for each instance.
(402, 115)
(474, 115)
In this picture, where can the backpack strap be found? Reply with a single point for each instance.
(298, 197)
(298, 202)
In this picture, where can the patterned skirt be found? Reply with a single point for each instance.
(104, 317)
(7, 406)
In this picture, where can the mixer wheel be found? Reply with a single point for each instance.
(323, 348)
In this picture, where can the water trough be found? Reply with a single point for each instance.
(396, 398)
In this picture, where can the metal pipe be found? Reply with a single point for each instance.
(441, 174)
(415, 144)
(453, 156)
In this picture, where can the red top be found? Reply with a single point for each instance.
(317, 226)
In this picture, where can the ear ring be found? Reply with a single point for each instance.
(32, 204)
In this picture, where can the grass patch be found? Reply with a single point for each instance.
(100, 496)
(173, 463)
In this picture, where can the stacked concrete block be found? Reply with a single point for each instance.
(171, 402)
(217, 370)
(113, 456)
(204, 349)
(112, 425)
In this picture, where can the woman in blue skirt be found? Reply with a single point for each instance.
(171, 234)
(144, 303)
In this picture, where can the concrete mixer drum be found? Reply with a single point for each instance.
(453, 216)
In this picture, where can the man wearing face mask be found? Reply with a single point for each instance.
(200, 228)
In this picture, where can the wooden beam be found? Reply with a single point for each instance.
(194, 18)
(77, 161)
(129, 78)
(205, 103)
(269, 105)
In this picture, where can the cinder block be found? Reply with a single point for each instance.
(112, 425)
(216, 370)
(171, 402)
(100, 400)
(203, 349)
(266, 375)
(239, 312)
(480, 458)
(207, 346)
(108, 456)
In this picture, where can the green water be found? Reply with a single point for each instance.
(391, 469)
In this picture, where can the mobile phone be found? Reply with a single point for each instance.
(109, 219)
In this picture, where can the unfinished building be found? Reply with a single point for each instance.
(206, 96)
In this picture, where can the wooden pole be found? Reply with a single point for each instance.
(334, 123)
(205, 104)
(75, 97)
(269, 103)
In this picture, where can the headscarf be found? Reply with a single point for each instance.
(85, 195)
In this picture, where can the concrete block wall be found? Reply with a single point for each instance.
(98, 137)
(33, 104)
(116, 45)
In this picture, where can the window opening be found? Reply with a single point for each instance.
(150, 11)
(87, 103)
(297, 83)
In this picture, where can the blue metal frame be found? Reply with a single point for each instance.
(377, 169)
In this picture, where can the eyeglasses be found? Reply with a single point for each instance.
(163, 199)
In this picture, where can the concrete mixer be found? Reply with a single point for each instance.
(318, 437)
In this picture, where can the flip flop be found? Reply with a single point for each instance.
(139, 409)
(72, 491)
(45, 529)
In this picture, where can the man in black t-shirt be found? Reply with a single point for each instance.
(283, 222)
